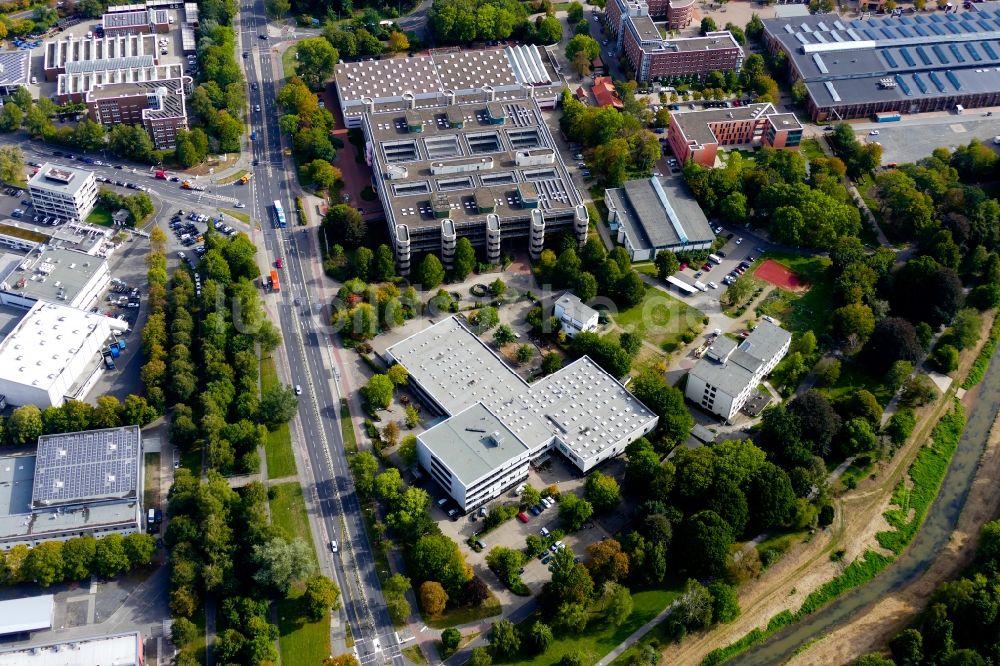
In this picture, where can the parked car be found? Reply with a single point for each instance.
(522, 516)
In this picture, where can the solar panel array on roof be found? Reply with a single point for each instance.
(77, 466)
(954, 79)
(853, 35)
(905, 32)
(923, 55)
(989, 50)
(891, 60)
(907, 57)
(870, 34)
(971, 48)
(955, 52)
(919, 80)
(921, 30)
(940, 54)
(903, 85)
(937, 81)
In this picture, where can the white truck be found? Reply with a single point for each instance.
(701, 286)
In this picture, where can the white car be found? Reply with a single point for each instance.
(996, 140)
(873, 133)
(241, 205)
(334, 547)
(298, 390)
(739, 240)
(713, 285)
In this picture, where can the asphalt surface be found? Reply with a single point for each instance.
(310, 357)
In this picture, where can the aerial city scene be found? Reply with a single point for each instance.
(499, 332)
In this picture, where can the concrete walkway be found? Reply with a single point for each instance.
(637, 635)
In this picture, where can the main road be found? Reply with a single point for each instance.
(311, 359)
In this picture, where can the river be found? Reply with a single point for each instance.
(932, 537)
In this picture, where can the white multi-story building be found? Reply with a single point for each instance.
(496, 423)
(574, 315)
(64, 192)
(723, 379)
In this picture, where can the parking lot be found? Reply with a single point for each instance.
(915, 137)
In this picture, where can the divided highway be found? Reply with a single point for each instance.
(309, 348)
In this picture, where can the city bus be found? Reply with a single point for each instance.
(279, 216)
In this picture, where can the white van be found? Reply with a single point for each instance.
(959, 109)
(700, 286)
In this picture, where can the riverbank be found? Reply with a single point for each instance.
(873, 628)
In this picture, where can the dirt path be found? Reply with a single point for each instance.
(879, 623)
(807, 566)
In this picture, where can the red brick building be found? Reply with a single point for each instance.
(698, 135)
(654, 57)
(156, 105)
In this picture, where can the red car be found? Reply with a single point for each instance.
(683, 267)
(279, 263)
(706, 267)
(523, 517)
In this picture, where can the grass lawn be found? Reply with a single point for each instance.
(288, 513)
(414, 654)
(648, 268)
(301, 641)
(660, 319)
(854, 377)
(100, 216)
(466, 614)
(347, 429)
(152, 480)
(191, 459)
(856, 471)
(810, 149)
(236, 214)
(600, 638)
(809, 311)
(280, 459)
(288, 61)
(232, 178)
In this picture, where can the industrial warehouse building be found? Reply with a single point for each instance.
(486, 171)
(52, 353)
(909, 63)
(53, 275)
(652, 214)
(723, 379)
(495, 423)
(114, 650)
(654, 56)
(75, 484)
(449, 76)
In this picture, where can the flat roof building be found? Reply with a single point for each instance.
(495, 422)
(653, 214)
(574, 315)
(139, 22)
(907, 63)
(76, 483)
(98, 53)
(449, 76)
(53, 275)
(723, 379)
(26, 614)
(54, 353)
(116, 650)
(654, 56)
(487, 172)
(15, 70)
(698, 135)
(65, 192)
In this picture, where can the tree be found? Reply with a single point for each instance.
(436, 557)
(139, 548)
(574, 511)
(551, 362)
(907, 647)
(548, 30)
(78, 557)
(666, 264)
(431, 272)
(344, 226)
(280, 563)
(894, 339)
(316, 59)
(378, 391)
(322, 174)
(11, 117)
(433, 598)
(708, 25)
(278, 405)
(504, 639)
(525, 353)
(25, 424)
(667, 402)
(480, 657)
(450, 638)
(617, 602)
(465, 259)
(574, 12)
(706, 538)
(583, 44)
(504, 335)
(390, 434)
(398, 42)
(88, 135)
(725, 603)
(607, 561)
(484, 319)
(539, 636)
(110, 558)
(398, 374)
(364, 466)
(107, 414)
(854, 321)
(602, 491)
(770, 496)
(44, 563)
(874, 658)
(945, 358)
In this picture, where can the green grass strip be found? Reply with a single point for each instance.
(978, 369)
